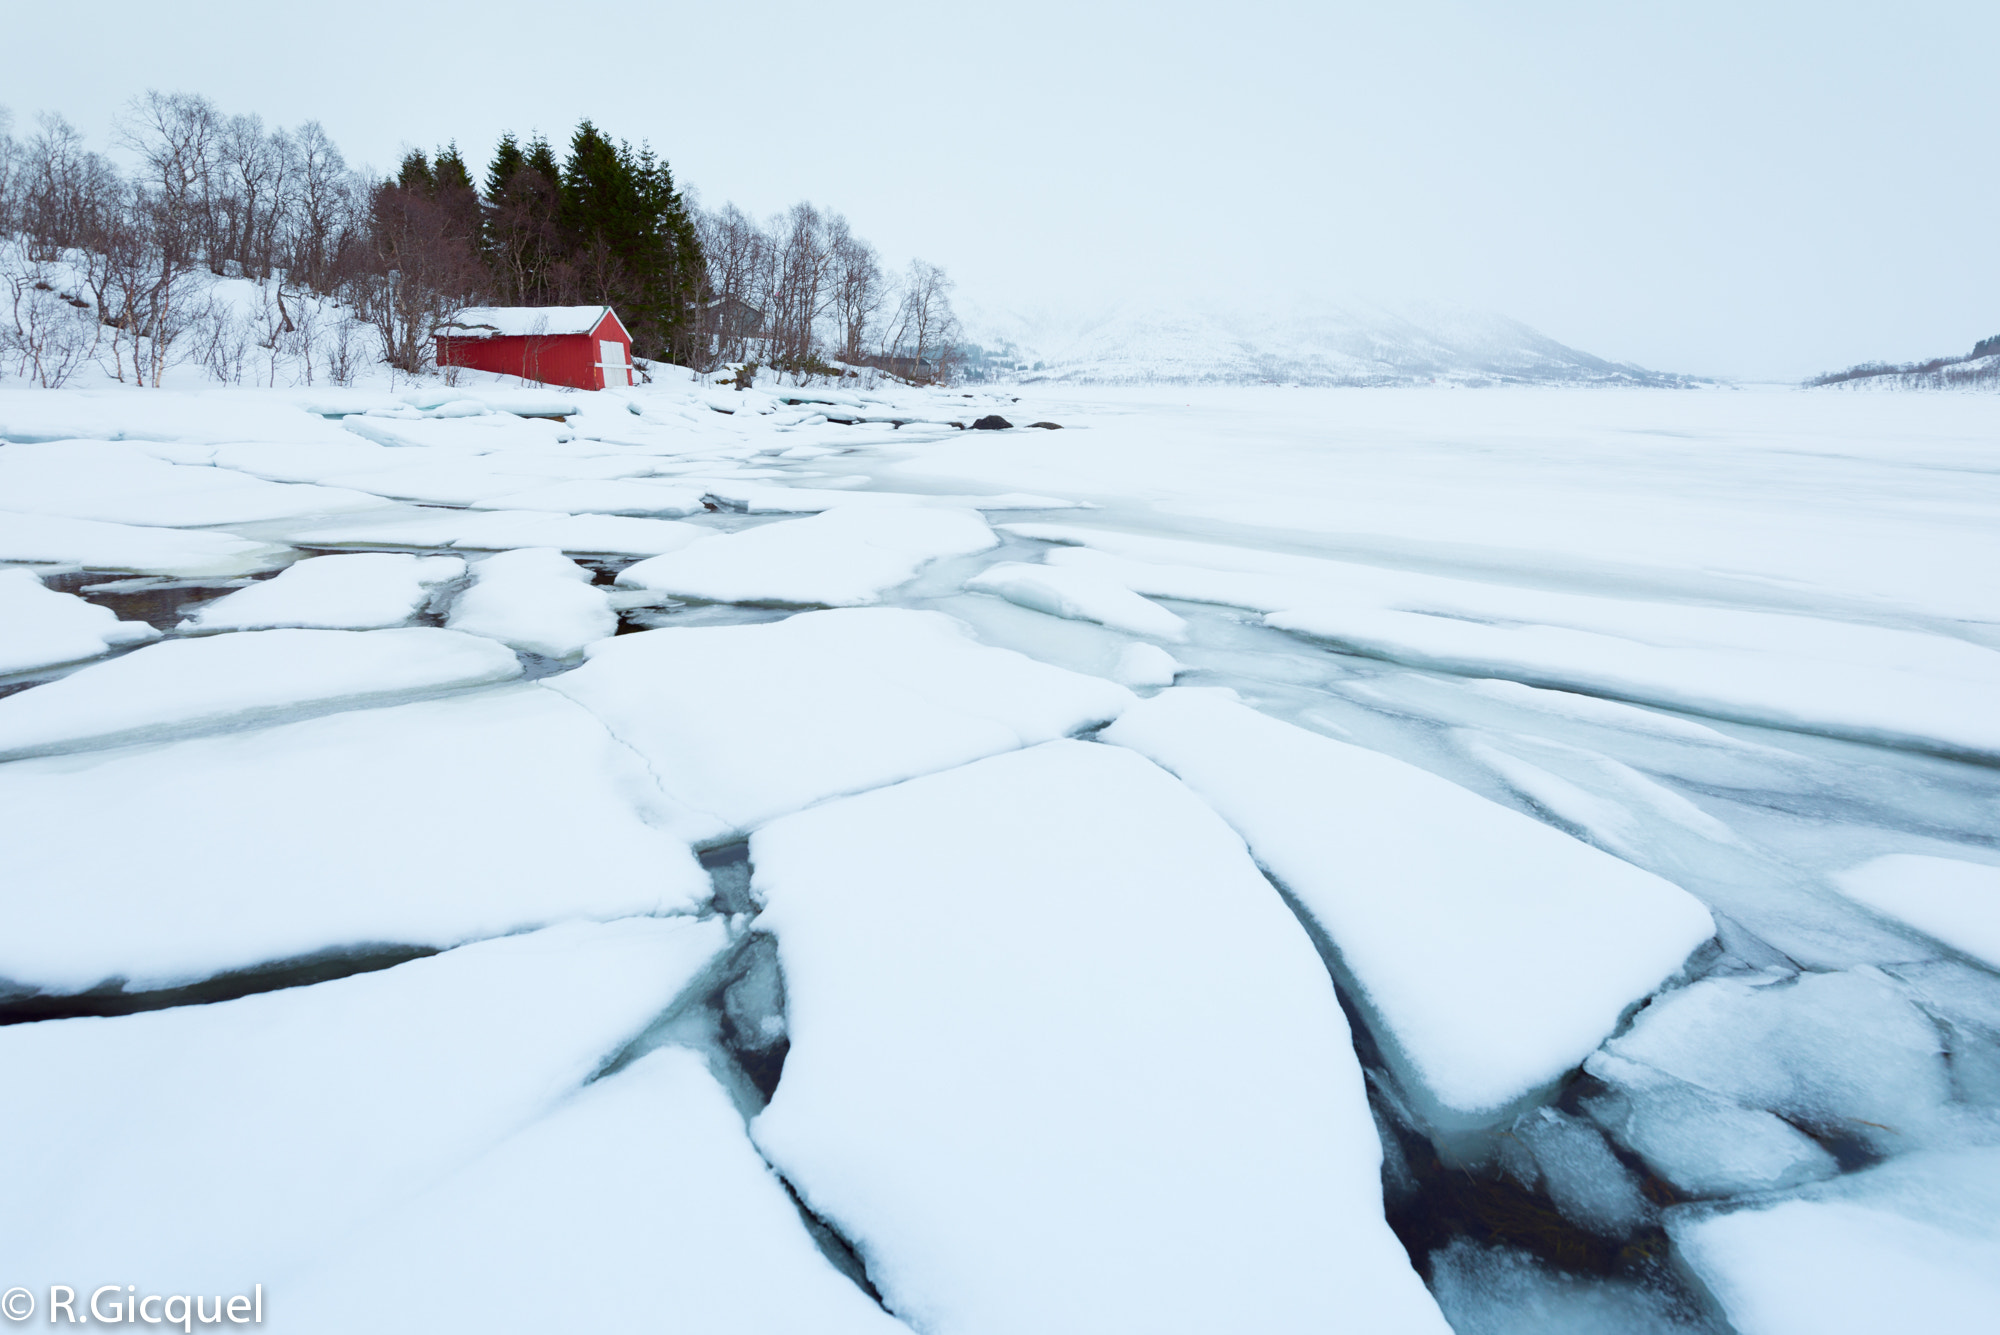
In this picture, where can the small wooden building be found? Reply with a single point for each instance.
(585, 347)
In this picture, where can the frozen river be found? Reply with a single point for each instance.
(1248, 859)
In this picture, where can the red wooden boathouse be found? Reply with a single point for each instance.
(585, 347)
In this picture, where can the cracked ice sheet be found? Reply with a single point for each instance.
(427, 824)
(1495, 952)
(499, 530)
(368, 591)
(1777, 669)
(52, 540)
(1062, 1061)
(608, 496)
(207, 1148)
(743, 723)
(639, 1196)
(1911, 1245)
(40, 627)
(758, 499)
(840, 558)
(216, 681)
(121, 484)
(199, 417)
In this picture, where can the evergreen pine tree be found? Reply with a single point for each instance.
(415, 173)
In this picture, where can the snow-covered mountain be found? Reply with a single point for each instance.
(1349, 343)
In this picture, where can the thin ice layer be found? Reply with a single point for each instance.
(40, 627)
(1062, 1061)
(636, 1198)
(363, 591)
(840, 558)
(1912, 1245)
(535, 600)
(210, 1148)
(1847, 1054)
(216, 681)
(1495, 952)
(428, 824)
(501, 530)
(743, 723)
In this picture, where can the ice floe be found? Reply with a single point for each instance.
(367, 591)
(1493, 952)
(41, 628)
(743, 723)
(536, 600)
(639, 1197)
(1061, 1060)
(499, 530)
(426, 824)
(607, 497)
(55, 540)
(122, 484)
(240, 1141)
(220, 680)
(1955, 901)
(841, 558)
(1080, 595)
(1911, 1245)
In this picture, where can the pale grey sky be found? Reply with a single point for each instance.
(1750, 189)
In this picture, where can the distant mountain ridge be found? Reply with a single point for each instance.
(1978, 369)
(1344, 344)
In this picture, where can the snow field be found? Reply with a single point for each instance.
(1094, 1079)
(1956, 902)
(131, 548)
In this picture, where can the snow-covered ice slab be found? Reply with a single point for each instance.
(606, 497)
(638, 1199)
(502, 530)
(1911, 1245)
(1848, 1054)
(743, 723)
(202, 417)
(1808, 673)
(41, 628)
(1493, 952)
(1061, 1060)
(427, 824)
(122, 484)
(537, 600)
(1955, 901)
(53, 540)
(221, 680)
(1078, 595)
(367, 591)
(215, 1147)
(841, 558)
(763, 499)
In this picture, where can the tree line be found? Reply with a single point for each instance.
(108, 265)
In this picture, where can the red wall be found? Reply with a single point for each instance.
(553, 359)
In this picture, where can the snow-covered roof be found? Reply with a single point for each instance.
(523, 321)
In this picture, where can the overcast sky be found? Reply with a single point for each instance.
(1747, 189)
